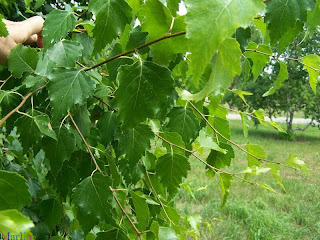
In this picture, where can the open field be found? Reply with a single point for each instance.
(254, 213)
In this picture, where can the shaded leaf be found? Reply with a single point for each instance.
(114, 234)
(107, 125)
(174, 138)
(52, 212)
(142, 211)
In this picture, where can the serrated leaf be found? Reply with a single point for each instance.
(136, 39)
(114, 234)
(166, 233)
(275, 171)
(245, 124)
(225, 183)
(87, 44)
(134, 142)
(65, 53)
(259, 58)
(220, 160)
(207, 28)
(146, 87)
(172, 214)
(260, 116)
(226, 66)
(59, 151)
(12, 221)
(174, 138)
(312, 64)
(241, 94)
(107, 125)
(68, 87)
(3, 29)
(282, 15)
(313, 19)
(296, 162)
(207, 142)
(82, 119)
(111, 19)
(51, 212)
(92, 195)
(142, 211)
(257, 151)
(16, 191)
(222, 126)
(22, 59)
(171, 168)
(183, 121)
(283, 75)
(289, 37)
(56, 26)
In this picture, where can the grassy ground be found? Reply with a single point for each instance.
(254, 213)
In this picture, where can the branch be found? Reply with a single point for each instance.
(134, 50)
(108, 105)
(124, 212)
(304, 128)
(20, 105)
(85, 142)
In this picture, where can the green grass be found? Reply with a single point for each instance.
(254, 213)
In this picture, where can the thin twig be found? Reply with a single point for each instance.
(124, 212)
(85, 142)
(5, 81)
(134, 50)
(107, 104)
(20, 105)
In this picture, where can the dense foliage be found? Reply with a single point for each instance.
(99, 128)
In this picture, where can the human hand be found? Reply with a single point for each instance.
(26, 32)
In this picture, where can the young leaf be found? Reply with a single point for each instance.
(146, 87)
(207, 28)
(22, 59)
(142, 210)
(57, 25)
(275, 171)
(166, 233)
(207, 142)
(312, 64)
(12, 221)
(225, 181)
(111, 19)
(133, 143)
(260, 116)
(51, 212)
(241, 94)
(92, 195)
(195, 222)
(283, 75)
(283, 15)
(245, 124)
(107, 125)
(16, 191)
(258, 152)
(68, 87)
(183, 121)
(3, 28)
(258, 58)
(171, 168)
(296, 162)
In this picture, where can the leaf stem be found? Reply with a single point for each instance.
(124, 212)
(20, 105)
(85, 142)
(135, 49)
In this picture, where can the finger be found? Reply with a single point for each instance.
(32, 39)
(6, 44)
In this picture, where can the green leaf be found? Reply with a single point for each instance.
(241, 94)
(82, 119)
(56, 26)
(174, 138)
(283, 75)
(111, 19)
(260, 116)
(226, 66)
(296, 162)
(166, 233)
(135, 5)
(65, 53)
(134, 142)
(33, 127)
(222, 126)
(257, 151)
(171, 168)
(209, 23)
(15, 190)
(142, 211)
(220, 160)
(12, 221)
(59, 151)
(68, 87)
(51, 212)
(275, 171)
(146, 87)
(225, 182)
(92, 195)
(312, 64)
(195, 223)
(207, 142)
(107, 125)
(136, 39)
(114, 234)
(313, 19)
(22, 59)
(173, 6)
(276, 126)
(3, 29)
(245, 124)
(258, 58)
(183, 121)
(283, 15)
(289, 37)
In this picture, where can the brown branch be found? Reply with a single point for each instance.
(124, 212)
(108, 105)
(20, 105)
(85, 142)
(134, 50)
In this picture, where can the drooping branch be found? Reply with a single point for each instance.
(124, 212)
(304, 128)
(85, 142)
(21, 104)
(135, 49)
